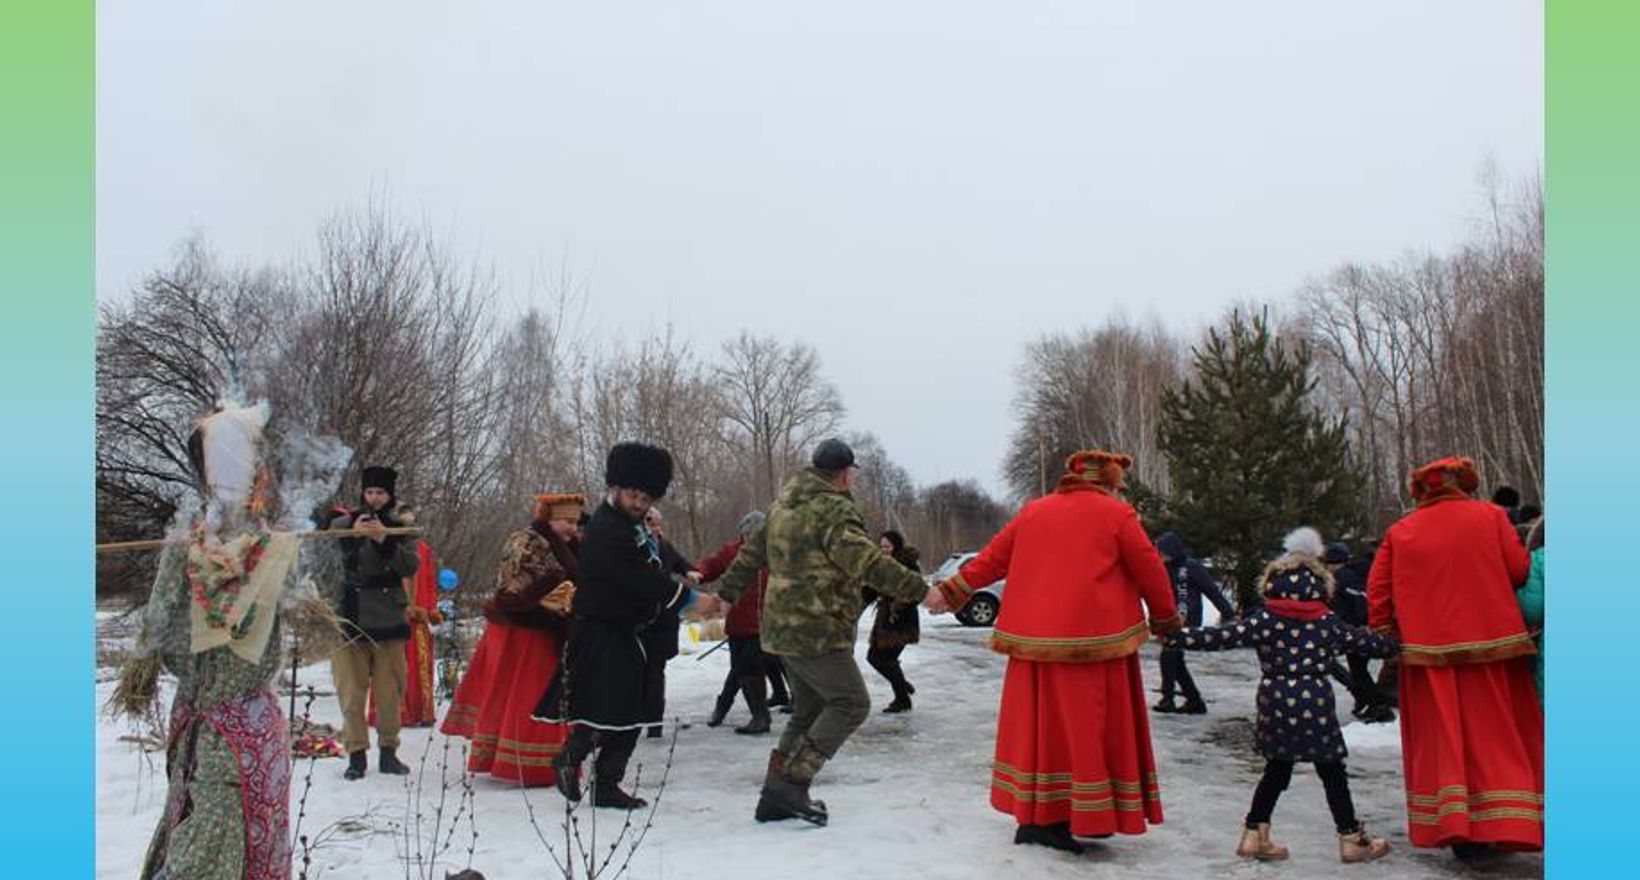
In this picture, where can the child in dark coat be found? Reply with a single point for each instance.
(1297, 637)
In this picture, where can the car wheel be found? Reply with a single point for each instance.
(980, 610)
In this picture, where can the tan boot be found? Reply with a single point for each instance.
(1255, 844)
(1358, 847)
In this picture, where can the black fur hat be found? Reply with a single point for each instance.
(384, 478)
(639, 466)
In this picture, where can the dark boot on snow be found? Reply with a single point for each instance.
(1057, 836)
(356, 766)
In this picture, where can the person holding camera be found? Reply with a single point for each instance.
(374, 607)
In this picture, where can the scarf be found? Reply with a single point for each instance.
(650, 543)
(234, 587)
(1298, 609)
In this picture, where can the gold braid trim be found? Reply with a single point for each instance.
(1074, 650)
(1463, 653)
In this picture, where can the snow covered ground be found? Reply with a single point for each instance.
(908, 795)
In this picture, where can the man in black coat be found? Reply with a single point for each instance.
(622, 585)
(1349, 602)
(1192, 582)
(369, 597)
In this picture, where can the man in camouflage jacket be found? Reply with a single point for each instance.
(818, 555)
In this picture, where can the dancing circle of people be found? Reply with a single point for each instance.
(569, 671)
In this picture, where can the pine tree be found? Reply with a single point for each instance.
(1250, 459)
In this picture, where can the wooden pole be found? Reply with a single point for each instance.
(128, 546)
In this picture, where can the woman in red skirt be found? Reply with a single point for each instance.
(1073, 754)
(1471, 727)
(416, 709)
(526, 622)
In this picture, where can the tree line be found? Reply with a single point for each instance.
(1311, 409)
(387, 342)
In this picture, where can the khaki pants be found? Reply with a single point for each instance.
(357, 668)
(829, 702)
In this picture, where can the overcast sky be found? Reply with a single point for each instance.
(915, 188)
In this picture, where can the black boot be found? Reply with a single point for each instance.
(567, 776)
(786, 787)
(355, 765)
(1057, 836)
(758, 702)
(566, 767)
(612, 797)
(900, 703)
(1378, 713)
(1472, 853)
(609, 768)
(389, 762)
(1166, 707)
(785, 798)
(1193, 706)
(720, 710)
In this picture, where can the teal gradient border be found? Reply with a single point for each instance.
(1592, 189)
(47, 255)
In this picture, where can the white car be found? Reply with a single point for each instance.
(984, 605)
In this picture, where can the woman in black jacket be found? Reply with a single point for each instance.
(895, 626)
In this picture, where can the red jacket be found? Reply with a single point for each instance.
(745, 617)
(1445, 579)
(1078, 566)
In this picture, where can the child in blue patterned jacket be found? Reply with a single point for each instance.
(1297, 637)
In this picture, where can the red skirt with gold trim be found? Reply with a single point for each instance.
(1472, 750)
(416, 709)
(1073, 745)
(510, 669)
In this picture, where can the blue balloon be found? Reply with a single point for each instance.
(447, 579)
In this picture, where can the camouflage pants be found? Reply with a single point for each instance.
(829, 701)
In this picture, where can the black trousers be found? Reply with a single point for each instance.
(746, 672)
(654, 692)
(1277, 774)
(1176, 676)
(775, 669)
(1389, 681)
(887, 663)
(614, 748)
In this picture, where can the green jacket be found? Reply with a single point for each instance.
(1531, 610)
(815, 547)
